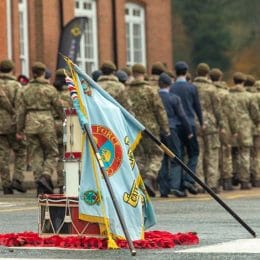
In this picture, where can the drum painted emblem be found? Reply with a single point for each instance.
(109, 148)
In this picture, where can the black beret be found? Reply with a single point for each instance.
(181, 65)
(48, 74)
(121, 75)
(165, 78)
(96, 74)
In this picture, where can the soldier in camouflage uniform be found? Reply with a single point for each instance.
(208, 164)
(110, 83)
(253, 88)
(149, 110)
(8, 92)
(225, 162)
(247, 114)
(157, 69)
(35, 120)
(65, 99)
(256, 166)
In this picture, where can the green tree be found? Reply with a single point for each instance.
(207, 27)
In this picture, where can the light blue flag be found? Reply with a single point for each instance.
(116, 133)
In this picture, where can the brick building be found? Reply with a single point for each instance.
(124, 31)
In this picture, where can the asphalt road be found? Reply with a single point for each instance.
(199, 214)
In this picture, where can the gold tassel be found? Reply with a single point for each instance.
(111, 244)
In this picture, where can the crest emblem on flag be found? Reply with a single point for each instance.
(109, 148)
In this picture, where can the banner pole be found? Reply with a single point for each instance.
(110, 189)
(205, 186)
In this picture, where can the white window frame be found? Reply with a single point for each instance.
(91, 14)
(9, 29)
(131, 20)
(23, 29)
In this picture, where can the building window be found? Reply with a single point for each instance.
(23, 30)
(135, 34)
(88, 54)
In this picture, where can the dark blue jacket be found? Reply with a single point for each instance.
(189, 98)
(175, 112)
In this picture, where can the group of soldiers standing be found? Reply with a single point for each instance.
(229, 139)
(32, 127)
(211, 126)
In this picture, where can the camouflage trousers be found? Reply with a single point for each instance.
(8, 143)
(255, 159)
(225, 162)
(148, 157)
(208, 162)
(241, 163)
(43, 149)
(60, 166)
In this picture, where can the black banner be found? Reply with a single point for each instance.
(70, 40)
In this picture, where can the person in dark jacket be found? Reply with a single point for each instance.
(170, 179)
(191, 104)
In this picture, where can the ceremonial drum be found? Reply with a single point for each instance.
(72, 158)
(59, 215)
(72, 136)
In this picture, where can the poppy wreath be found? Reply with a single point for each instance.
(152, 240)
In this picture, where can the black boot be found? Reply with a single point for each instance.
(191, 187)
(7, 190)
(44, 185)
(256, 184)
(227, 184)
(245, 186)
(61, 191)
(178, 193)
(17, 185)
(235, 179)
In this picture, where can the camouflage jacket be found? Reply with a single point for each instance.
(66, 102)
(8, 91)
(246, 115)
(227, 111)
(116, 89)
(255, 95)
(210, 105)
(34, 108)
(148, 107)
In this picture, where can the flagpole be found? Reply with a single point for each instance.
(110, 189)
(206, 187)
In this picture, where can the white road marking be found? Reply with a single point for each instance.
(237, 246)
(6, 204)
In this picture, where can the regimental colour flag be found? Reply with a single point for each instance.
(116, 133)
